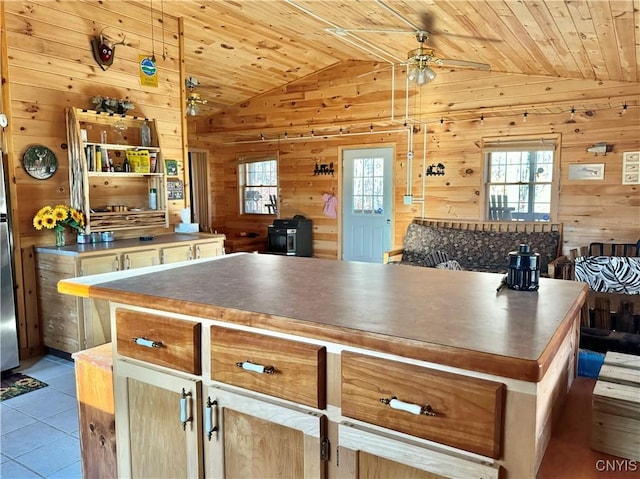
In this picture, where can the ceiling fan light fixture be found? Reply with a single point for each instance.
(421, 75)
(192, 109)
(193, 98)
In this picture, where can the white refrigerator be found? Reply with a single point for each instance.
(8, 328)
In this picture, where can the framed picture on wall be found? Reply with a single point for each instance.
(586, 171)
(171, 167)
(175, 190)
(631, 168)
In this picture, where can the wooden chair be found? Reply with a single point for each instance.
(498, 209)
(614, 249)
(272, 205)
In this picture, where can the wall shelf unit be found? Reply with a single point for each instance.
(110, 190)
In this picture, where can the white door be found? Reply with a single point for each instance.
(366, 209)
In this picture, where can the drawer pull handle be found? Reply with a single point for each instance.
(147, 343)
(256, 368)
(209, 427)
(184, 417)
(416, 409)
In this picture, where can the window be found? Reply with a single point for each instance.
(368, 183)
(258, 186)
(520, 184)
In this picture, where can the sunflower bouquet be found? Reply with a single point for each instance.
(58, 218)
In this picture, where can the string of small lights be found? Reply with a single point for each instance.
(442, 121)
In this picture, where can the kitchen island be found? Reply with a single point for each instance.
(348, 367)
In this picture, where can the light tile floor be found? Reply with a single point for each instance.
(39, 430)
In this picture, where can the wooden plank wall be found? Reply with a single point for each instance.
(345, 97)
(48, 66)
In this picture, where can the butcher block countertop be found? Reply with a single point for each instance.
(455, 318)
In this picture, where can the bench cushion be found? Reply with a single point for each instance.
(476, 250)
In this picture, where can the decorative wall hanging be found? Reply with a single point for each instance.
(435, 170)
(631, 168)
(586, 171)
(600, 149)
(323, 169)
(175, 190)
(39, 162)
(171, 166)
(148, 71)
(111, 105)
(104, 49)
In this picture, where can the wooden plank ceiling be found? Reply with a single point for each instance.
(240, 49)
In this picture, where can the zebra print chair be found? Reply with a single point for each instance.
(609, 274)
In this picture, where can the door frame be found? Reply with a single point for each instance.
(188, 191)
(364, 146)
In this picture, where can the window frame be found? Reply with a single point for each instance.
(242, 165)
(518, 144)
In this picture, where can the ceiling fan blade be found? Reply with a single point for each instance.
(462, 63)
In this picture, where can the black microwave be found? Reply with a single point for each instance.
(291, 237)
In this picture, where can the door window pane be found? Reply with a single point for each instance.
(368, 182)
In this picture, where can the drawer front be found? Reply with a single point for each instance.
(299, 371)
(176, 342)
(467, 412)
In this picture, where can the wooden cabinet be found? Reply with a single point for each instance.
(244, 430)
(140, 259)
(73, 324)
(110, 197)
(256, 437)
(208, 250)
(159, 432)
(175, 254)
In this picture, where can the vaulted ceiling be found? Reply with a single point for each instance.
(240, 49)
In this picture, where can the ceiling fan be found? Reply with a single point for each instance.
(193, 97)
(419, 59)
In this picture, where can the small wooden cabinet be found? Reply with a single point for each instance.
(72, 324)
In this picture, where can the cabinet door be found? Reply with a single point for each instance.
(158, 423)
(100, 264)
(367, 453)
(208, 250)
(139, 259)
(256, 437)
(175, 254)
(96, 325)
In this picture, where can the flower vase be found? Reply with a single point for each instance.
(59, 236)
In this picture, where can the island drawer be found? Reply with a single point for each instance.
(452, 409)
(160, 340)
(287, 369)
